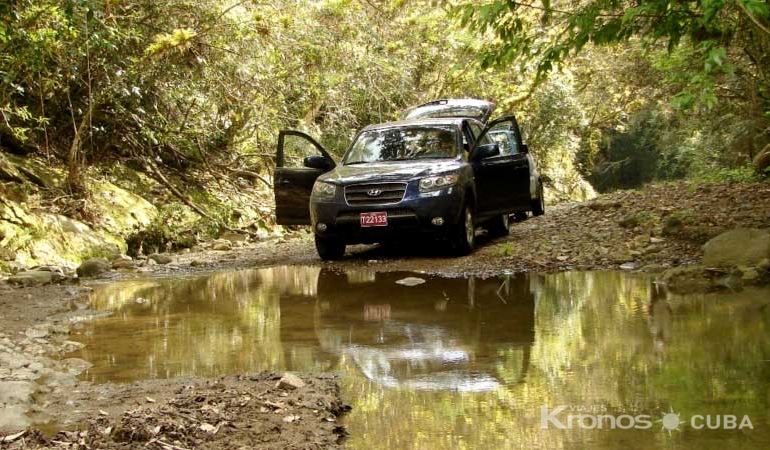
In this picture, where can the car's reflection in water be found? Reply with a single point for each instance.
(445, 334)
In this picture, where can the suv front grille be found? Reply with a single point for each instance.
(375, 194)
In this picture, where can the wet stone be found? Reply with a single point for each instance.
(37, 332)
(75, 365)
(71, 346)
(13, 418)
(16, 392)
(290, 381)
(93, 267)
(161, 259)
(35, 278)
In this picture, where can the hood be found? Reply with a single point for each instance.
(388, 172)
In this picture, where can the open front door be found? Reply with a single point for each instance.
(502, 181)
(299, 161)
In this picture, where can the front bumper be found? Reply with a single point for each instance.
(412, 215)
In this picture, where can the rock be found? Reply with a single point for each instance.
(37, 332)
(410, 281)
(687, 279)
(739, 247)
(75, 366)
(731, 281)
(234, 236)
(13, 418)
(196, 263)
(35, 278)
(650, 249)
(290, 381)
(598, 205)
(121, 257)
(13, 267)
(629, 266)
(622, 257)
(672, 225)
(71, 346)
(222, 245)
(161, 259)
(629, 221)
(750, 275)
(7, 255)
(16, 392)
(93, 267)
(123, 264)
(13, 361)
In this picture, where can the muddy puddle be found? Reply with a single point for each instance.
(572, 360)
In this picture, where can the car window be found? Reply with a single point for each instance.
(404, 143)
(506, 141)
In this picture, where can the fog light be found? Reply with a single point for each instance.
(438, 221)
(320, 226)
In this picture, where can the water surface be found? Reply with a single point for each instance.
(464, 362)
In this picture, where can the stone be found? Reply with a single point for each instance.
(738, 247)
(234, 236)
(687, 279)
(75, 366)
(13, 361)
(161, 259)
(37, 332)
(16, 392)
(290, 381)
(196, 263)
(35, 278)
(222, 245)
(71, 346)
(123, 264)
(410, 281)
(13, 419)
(749, 275)
(629, 266)
(622, 257)
(93, 267)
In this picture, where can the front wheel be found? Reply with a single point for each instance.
(464, 238)
(538, 204)
(329, 249)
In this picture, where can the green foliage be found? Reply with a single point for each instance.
(737, 174)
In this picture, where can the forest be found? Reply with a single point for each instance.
(190, 93)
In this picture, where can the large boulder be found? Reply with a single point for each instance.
(739, 247)
(93, 267)
(35, 278)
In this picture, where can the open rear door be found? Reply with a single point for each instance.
(293, 180)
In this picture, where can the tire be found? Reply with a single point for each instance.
(538, 204)
(329, 249)
(464, 238)
(498, 226)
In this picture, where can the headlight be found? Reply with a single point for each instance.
(433, 183)
(323, 191)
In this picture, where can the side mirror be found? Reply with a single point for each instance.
(524, 149)
(485, 151)
(318, 162)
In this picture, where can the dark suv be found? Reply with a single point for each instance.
(437, 173)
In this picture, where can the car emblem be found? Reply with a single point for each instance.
(374, 192)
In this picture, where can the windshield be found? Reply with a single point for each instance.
(404, 143)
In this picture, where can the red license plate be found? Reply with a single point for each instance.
(374, 219)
